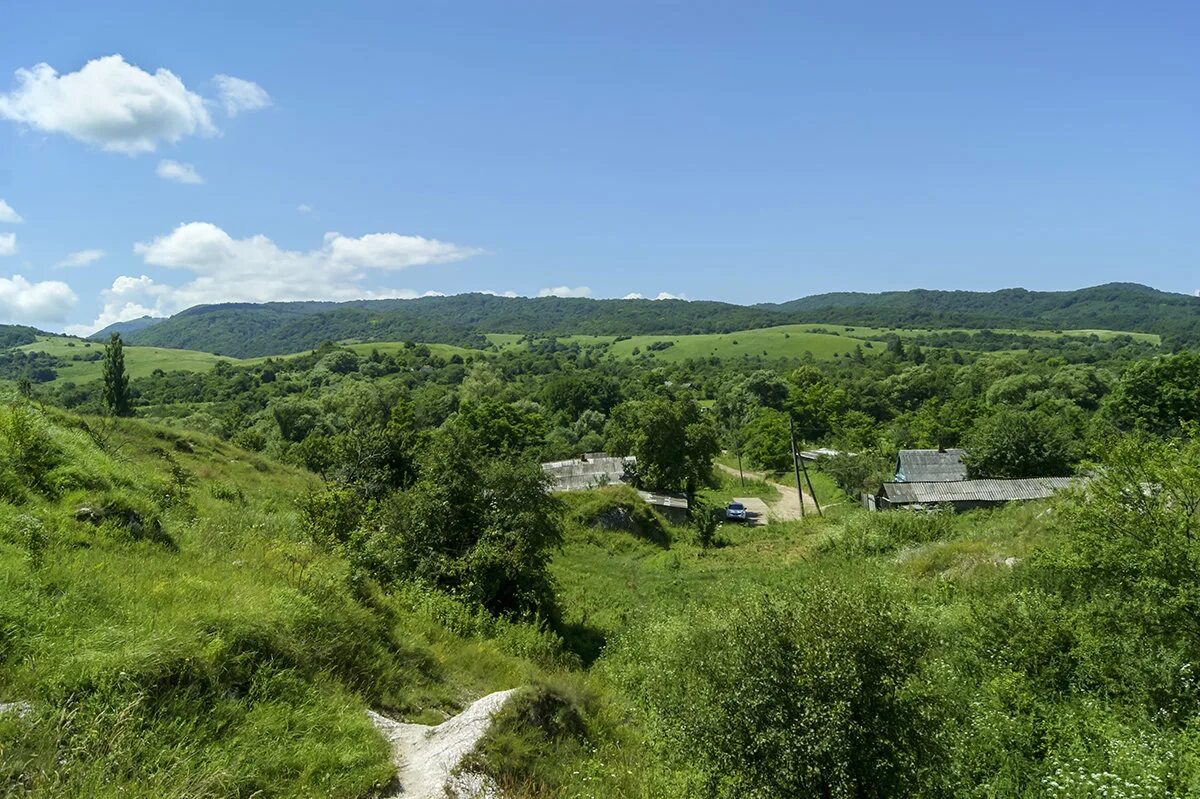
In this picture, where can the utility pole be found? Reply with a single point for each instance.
(796, 464)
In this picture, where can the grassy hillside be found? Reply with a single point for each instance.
(177, 636)
(823, 342)
(1113, 306)
(246, 330)
(139, 361)
(280, 328)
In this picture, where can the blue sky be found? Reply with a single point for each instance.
(744, 151)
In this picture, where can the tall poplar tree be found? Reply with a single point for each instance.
(116, 382)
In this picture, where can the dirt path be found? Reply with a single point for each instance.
(787, 507)
(425, 756)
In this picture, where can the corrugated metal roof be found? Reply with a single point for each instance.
(579, 474)
(930, 465)
(923, 493)
(664, 500)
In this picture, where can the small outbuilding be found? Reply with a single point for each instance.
(598, 469)
(930, 466)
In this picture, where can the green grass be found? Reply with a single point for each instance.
(823, 342)
(222, 656)
(392, 347)
(142, 361)
(139, 361)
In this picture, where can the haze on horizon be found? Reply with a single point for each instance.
(153, 158)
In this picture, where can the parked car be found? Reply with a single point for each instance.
(735, 512)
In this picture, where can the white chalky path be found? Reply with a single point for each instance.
(425, 756)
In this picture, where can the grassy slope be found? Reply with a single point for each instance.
(139, 361)
(784, 341)
(228, 658)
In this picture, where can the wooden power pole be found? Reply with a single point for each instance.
(798, 464)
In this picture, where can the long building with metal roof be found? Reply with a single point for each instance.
(966, 494)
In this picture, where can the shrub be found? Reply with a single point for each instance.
(817, 693)
(619, 508)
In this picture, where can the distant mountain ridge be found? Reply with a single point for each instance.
(127, 327)
(249, 330)
(1115, 306)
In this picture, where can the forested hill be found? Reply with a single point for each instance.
(1113, 306)
(244, 330)
(248, 330)
(16, 335)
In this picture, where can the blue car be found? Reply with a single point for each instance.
(735, 512)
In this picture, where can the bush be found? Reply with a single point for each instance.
(817, 693)
(618, 508)
(536, 720)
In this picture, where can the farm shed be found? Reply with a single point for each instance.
(968, 494)
(930, 466)
(591, 470)
(596, 469)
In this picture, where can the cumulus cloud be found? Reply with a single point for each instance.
(565, 291)
(491, 293)
(8, 243)
(127, 298)
(392, 250)
(80, 258)
(25, 302)
(240, 95)
(180, 173)
(255, 269)
(7, 214)
(662, 295)
(108, 103)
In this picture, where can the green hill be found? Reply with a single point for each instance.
(248, 330)
(1113, 306)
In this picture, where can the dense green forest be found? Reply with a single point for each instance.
(244, 330)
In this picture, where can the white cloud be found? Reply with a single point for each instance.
(22, 301)
(80, 258)
(392, 250)
(662, 295)
(566, 291)
(7, 214)
(127, 298)
(180, 173)
(8, 243)
(108, 103)
(491, 293)
(241, 95)
(304, 208)
(255, 269)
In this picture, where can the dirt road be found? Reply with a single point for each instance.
(784, 509)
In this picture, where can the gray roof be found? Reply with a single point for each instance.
(930, 465)
(924, 493)
(597, 469)
(664, 500)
